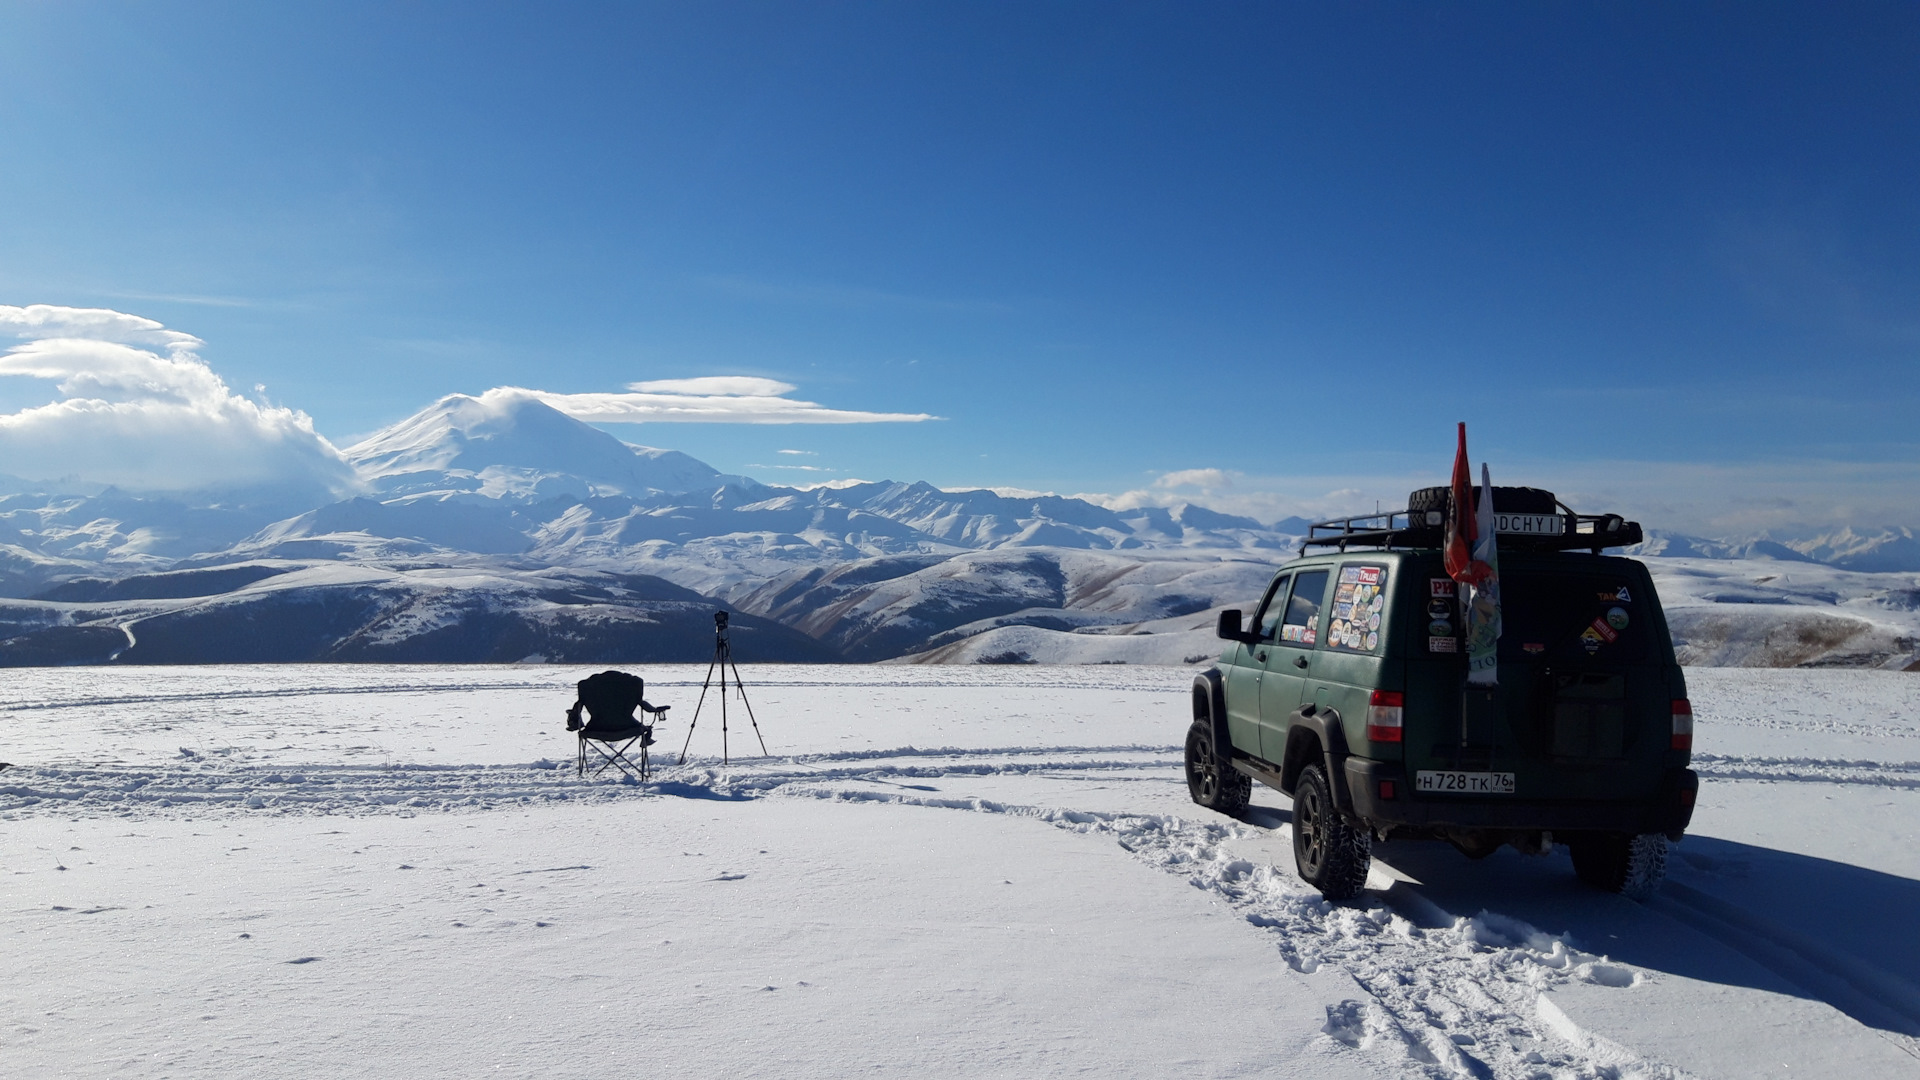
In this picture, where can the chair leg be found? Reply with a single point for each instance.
(616, 756)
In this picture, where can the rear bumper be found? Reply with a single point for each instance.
(1669, 812)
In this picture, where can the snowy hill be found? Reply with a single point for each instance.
(266, 612)
(474, 507)
(1775, 613)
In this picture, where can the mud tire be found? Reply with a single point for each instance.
(1329, 853)
(1632, 866)
(1211, 781)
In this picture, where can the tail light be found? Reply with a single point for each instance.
(1384, 710)
(1682, 724)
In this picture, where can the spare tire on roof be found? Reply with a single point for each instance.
(1506, 500)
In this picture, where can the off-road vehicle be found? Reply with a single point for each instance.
(1348, 691)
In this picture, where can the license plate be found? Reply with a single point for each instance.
(1529, 524)
(1464, 783)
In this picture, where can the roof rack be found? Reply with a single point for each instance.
(1399, 528)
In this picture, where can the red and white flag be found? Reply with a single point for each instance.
(1462, 530)
(1473, 562)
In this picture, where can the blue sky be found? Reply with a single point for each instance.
(1262, 255)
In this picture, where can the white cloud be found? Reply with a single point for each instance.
(1205, 479)
(809, 453)
(846, 482)
(734, 385)
(1002, 491)
(136, 418)
(719, 399)
(1185, 485)
(1710, 499)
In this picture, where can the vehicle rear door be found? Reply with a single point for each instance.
(1244, 674)
(1290, 659)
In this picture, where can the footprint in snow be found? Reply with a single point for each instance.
(303, 960)
(730, 877)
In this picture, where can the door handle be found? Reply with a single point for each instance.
(1299, 661)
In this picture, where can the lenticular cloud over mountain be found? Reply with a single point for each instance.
(720, 399)
(140, 409)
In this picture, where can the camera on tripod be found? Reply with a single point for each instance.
(723, 664)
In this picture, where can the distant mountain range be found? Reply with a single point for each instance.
(499, 529)
(1880, 551)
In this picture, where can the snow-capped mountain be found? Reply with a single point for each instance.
(1874, 551)
(496, 527)
(506, 443)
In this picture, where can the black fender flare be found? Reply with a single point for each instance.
(1210, 705)
(1315, 736)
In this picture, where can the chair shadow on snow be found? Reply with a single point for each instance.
(1728, 913)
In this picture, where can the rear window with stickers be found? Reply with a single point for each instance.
(1359, 606)
(1560, 618)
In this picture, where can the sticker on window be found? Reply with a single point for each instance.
(1440, 587)
(1358, 602)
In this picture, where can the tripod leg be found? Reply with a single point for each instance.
(702, 701)
(722, 654)
(742, 688)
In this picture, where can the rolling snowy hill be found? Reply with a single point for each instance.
(471, 511)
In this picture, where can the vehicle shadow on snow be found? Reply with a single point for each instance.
(1728, 913)
(1267, 817)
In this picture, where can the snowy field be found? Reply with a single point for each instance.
(946, 871)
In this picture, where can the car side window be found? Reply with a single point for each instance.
(1302, 623)
(1269, 618)
(1358, 605)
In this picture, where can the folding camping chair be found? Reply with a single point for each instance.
(611, 728)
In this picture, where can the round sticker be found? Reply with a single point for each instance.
(1373, 622)
(1373, 642)
(1440, 628)
(1377, 603)
(1439, 608)
(1617, 618)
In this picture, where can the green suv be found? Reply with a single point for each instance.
(1348, 691)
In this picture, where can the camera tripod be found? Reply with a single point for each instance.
(722, 662)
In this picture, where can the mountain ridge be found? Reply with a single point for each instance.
(470, 509)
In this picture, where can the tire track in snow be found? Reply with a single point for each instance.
(284, 692)
(1898, 774)
(199, 786)
(1455, 998)
(1464, 1000)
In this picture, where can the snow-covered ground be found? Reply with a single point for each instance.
(952, 871)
